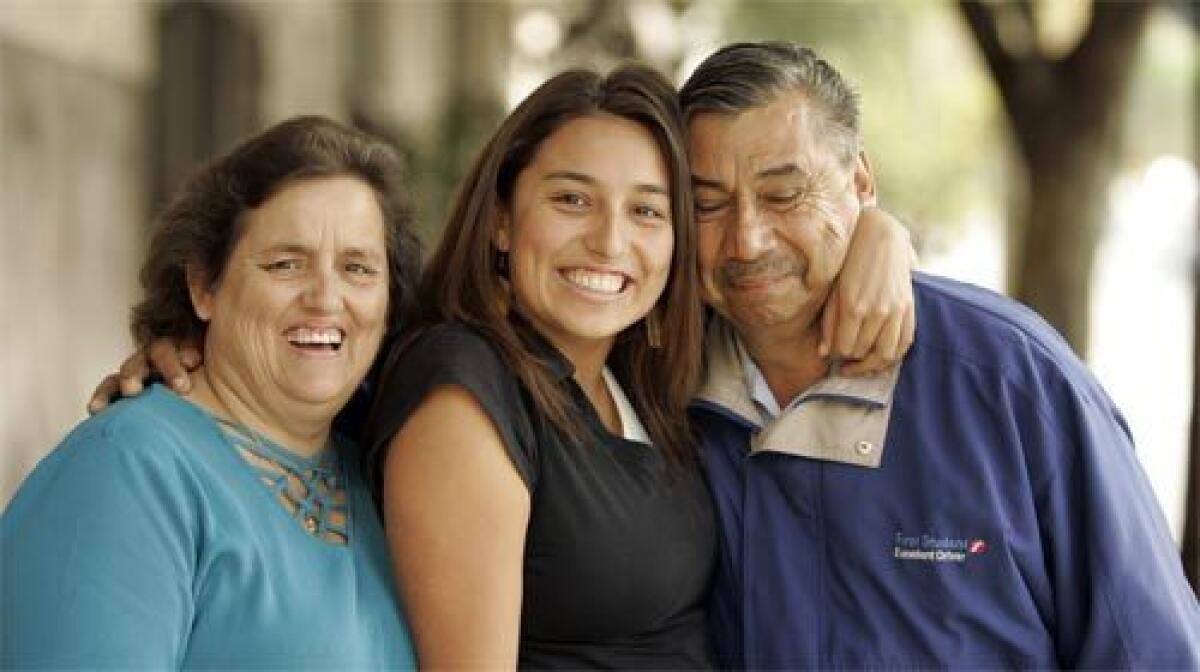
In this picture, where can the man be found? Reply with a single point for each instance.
(977, 506)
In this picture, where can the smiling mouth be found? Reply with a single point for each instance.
(597, 282)
(315, 339)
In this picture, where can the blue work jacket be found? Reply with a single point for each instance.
(1004, 522)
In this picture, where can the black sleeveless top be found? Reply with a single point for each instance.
(621, 543)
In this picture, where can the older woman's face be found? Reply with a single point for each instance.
(301, 309)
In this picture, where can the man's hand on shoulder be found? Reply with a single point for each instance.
(169, 360)
(869, 319)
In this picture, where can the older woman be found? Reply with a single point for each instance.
(223, 528)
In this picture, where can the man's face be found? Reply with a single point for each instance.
(776, 204)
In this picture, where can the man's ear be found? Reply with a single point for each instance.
(864, 179)
(200, 292)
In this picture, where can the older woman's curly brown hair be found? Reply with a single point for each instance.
(202, 224)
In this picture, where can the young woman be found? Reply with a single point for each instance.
(543, 507)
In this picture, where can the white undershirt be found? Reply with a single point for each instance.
(756, 382)
(631, 427)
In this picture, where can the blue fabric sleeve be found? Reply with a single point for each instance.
(1121, 599)
(99, 555)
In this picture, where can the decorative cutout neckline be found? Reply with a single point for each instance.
(310, 490)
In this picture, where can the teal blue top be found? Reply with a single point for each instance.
(146, 540)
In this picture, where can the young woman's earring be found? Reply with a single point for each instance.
(653, 330)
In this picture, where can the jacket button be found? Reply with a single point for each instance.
(864, 447)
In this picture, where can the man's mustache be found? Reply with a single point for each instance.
(734, 272)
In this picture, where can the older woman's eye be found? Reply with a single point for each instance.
(570, 200)
(281, 265)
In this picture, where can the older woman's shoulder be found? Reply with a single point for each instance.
(156, 427)
(141, 452)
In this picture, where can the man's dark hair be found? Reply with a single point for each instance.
(747, 75)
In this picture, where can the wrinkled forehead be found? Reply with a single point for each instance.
(790, 129)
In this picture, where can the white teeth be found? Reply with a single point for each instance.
(320, 336)
(609, 283)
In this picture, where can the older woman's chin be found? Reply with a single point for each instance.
(321, 382)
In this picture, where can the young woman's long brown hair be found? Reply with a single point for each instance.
(463, 283)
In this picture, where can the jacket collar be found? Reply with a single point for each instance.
(723, 383)
(839, 418)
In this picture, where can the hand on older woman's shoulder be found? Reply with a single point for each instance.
(170, 360)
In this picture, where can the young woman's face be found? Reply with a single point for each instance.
(589, 231)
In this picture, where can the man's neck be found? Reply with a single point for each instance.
(788, 360)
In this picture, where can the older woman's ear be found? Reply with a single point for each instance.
(200, 292)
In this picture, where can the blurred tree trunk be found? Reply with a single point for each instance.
(1065, 117)
(206, 97)
(431, 77)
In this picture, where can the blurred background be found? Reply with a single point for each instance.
(1043, 148)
